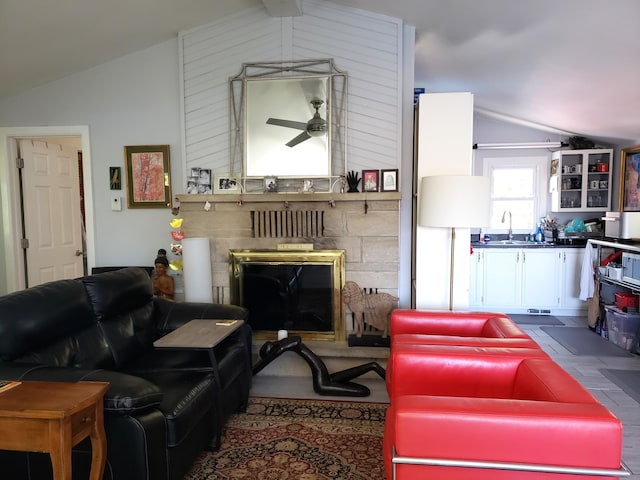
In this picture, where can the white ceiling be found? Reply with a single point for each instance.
(572, 65)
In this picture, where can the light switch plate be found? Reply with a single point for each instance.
(116, 204)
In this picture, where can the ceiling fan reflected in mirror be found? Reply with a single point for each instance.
(315, 127)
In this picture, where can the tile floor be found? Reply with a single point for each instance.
(583, 368)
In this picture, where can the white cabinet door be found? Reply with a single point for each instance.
(502, 277)
(571, 269)
(476, 278)
(541, 272)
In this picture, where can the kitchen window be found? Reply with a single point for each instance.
(518, 186)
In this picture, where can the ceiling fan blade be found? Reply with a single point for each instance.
(299, 139)
(287, 123)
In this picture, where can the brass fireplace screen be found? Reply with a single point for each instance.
(298, 291)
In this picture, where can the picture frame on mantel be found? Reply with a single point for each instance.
(389, 180)
(629, 175)
(147, 170)
(370, 180)
(226, 183)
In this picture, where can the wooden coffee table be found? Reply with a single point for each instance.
(53, 417)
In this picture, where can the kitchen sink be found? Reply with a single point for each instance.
(510, 242)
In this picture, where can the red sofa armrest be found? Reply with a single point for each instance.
(498, 430)
(438, 322)
(502, 327)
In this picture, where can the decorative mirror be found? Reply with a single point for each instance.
(288, 122)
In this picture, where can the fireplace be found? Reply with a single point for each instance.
(298, 291)
(362, 225)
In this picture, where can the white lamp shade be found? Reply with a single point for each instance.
(454, 201)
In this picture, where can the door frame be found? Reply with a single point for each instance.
(10, 196)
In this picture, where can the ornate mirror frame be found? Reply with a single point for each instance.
(265, 95)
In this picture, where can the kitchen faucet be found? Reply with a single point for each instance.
(510, 223)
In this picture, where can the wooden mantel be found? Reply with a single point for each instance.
(288, 197)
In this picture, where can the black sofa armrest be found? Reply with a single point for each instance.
(171, 315)
(127, 394)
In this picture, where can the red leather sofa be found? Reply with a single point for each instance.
(492, 413)
(434, 327)
(457, 328)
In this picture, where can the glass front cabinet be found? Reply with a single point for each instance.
(580, 180)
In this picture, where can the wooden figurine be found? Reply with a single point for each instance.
(374, 308)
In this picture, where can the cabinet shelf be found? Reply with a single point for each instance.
(571, 178)
(633, 288)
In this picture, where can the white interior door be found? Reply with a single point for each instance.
(52, 218)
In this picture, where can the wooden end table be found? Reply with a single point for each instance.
(53, 417)
(199, 334)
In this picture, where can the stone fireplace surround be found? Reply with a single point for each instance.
(365, 225)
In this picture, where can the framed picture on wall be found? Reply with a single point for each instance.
(115, 178)
(148, 176)
(630, 179)
(370, 180)
(389, 180)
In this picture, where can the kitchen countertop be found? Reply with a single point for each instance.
(523, 244)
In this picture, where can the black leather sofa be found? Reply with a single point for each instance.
(163, 407)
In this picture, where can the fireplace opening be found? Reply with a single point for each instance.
(297, 291)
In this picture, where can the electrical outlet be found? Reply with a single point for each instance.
(116, 204)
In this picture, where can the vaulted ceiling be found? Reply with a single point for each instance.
(571, 65)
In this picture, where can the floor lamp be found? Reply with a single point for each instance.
(454, 201)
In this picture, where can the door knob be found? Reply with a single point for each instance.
(78, 253)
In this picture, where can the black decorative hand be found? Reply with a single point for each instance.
(353, 180)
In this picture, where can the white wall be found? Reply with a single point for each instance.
(135, 100)
(444, 148)
(489, 129)
(132, 100)
(368, 47)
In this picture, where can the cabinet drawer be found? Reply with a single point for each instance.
(83, 420)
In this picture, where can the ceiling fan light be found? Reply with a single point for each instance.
(316, 130)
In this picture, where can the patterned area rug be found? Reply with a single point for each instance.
(282, 439)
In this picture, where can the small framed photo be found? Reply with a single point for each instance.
(148, 176)
(270, 184)
(370, 180)
(192, 185)
(226, 183)
(389, 180)
(115, 178)
(204, 182)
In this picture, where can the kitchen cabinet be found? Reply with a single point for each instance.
(541, 274)
(580, 180)
(502, 277)
(571, 262)
(523, 280)
(486, 284)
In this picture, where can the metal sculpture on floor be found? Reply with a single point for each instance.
(324, 383)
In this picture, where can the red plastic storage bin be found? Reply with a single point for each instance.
(626, 299)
